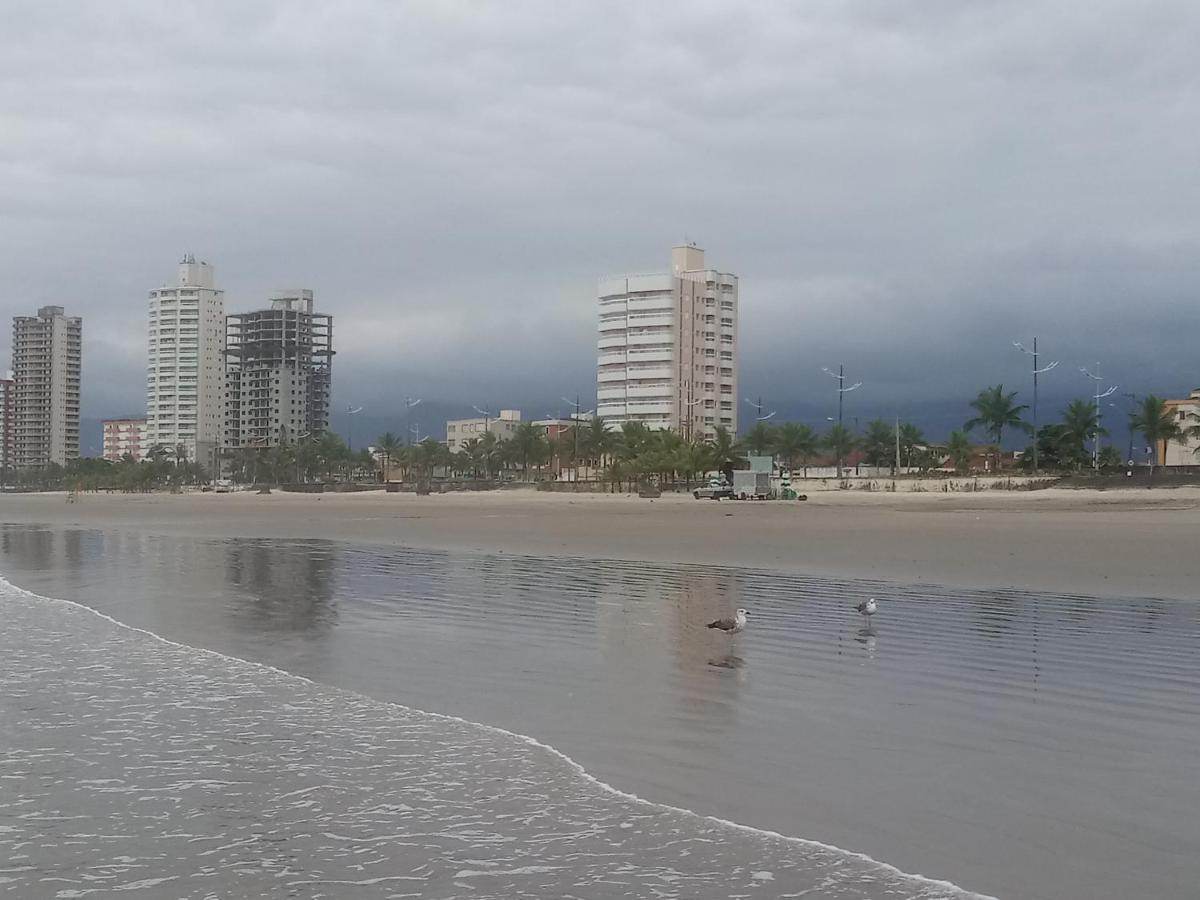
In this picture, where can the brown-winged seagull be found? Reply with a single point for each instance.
(730, 626)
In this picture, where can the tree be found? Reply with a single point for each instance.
(632, 440)
(1057, 450)
(725, 453)
(759, 439)
(331, 453)
(959, 449)
(1156, 423)
(839, 441)
(995, 411)
(1110, 456)
(1079, 425)
(879, 443)
(796, 444)
(527, 445)
(596, 441)
(388, 445)
(910, 438)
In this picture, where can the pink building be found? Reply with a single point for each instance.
(123, 436)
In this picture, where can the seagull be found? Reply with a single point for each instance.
(731, 626)
(867, 608)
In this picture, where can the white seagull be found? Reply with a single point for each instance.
(867, 608)
(731, 626)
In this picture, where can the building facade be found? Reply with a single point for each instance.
(458, 431)
(278, 375)
(668, 348)
(6, 424)
(124, 436)
(186, 363)
(1186, 451)
(47, 364)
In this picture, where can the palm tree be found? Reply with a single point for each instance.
(1079, 425)
(839, 441)
(527, 446)
(796, 444)
(632, 439)
(959, 448)
(995, 411)
(388, 445)
(330, 452)
(759, 439)
(596, 441)
(725, 453)
(879, 443)
(1156, 423)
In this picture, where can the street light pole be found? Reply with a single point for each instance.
(409, 403)
(842, 391)
(1036, 373)
(758, 409)
(350, 411)
(1099, 395)
(1132, 398)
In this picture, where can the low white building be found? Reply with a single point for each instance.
(502, 426)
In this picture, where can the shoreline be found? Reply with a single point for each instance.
(1106, 543)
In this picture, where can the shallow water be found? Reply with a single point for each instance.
(1019, 745)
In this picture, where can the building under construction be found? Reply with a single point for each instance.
(277, 372)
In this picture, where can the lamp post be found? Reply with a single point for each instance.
(487, 418)
(1036, 373)
(575, 420)
(1132, 398)
(409, 403)
(842, 390)
(758, 410)
(1098, 396)
(351, 411)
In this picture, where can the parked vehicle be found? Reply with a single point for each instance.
(751, 485)
(716, 489)
(223, 486)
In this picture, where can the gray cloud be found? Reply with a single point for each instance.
(905, 189)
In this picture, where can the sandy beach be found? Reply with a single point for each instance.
(1110, 543)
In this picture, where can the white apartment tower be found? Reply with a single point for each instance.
(185, 371)
(668, 348)
(46, 356)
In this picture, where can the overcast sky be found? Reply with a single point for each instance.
(903, 188)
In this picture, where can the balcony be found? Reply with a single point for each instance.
(656, 392)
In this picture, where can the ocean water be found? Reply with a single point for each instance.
(1017, 745)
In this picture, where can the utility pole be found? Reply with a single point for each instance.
(1036, 373)
(897, 469)
(1099, 395)
(842, 391)
(350, 411)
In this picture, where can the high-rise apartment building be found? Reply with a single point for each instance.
(668, 348)
(279, 365)
(46, 355)
(185, 370)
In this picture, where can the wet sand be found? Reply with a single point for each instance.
(1111, 543)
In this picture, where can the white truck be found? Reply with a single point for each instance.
(749, 485)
